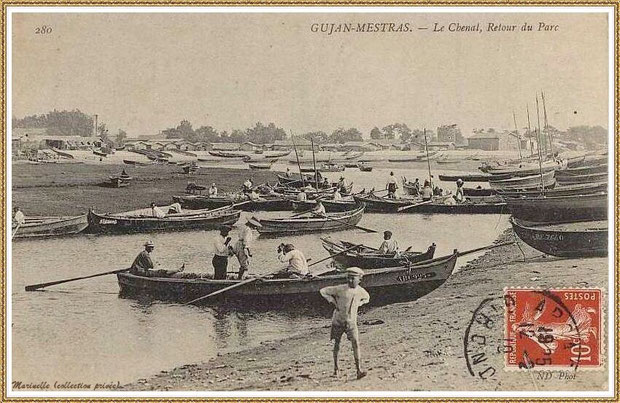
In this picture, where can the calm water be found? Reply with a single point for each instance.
(85, 332)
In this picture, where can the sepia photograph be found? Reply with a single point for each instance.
(310, 202)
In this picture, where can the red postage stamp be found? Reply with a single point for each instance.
(550, 329)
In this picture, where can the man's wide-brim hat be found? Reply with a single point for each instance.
(355, 271)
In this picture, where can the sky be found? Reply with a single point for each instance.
(146, 72)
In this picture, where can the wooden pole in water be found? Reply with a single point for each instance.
(303, 182)
(529, 130)
(518, 137)
(430, 177)
(316, 173)
(542, 182)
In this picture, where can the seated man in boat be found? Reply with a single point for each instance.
(342, 185)
(427, 191)
(319, 210)
(143, 264)
(346, 299)
(288, 172)
(18, 217)
(301, 196)
(389, 246)
(325, 183)
(254, 196)
(157, 212)
(213, 190)
(247, 186)
(174, 208)
(297, 265)
(391, 186)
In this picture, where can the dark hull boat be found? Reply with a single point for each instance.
(384, 205)
(206, 202)
(132, 162)
(297, 225)
(587, 170)
(472, 177)
(41, 227)
(580, 239)
(559, 209)
(369, 258)
(200, 219)
(524, 170)
(478, 192)
(569, 190)
(385, 285)
(375, 204)
(227, 154)
(525, 182)
(260, 166)
(576, 179)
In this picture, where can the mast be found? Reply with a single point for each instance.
(430, 177)
(95, 135)
(529, 130)
(316, 173)
(549, 135)
(542, 182)
(303, 182)
(518, 137)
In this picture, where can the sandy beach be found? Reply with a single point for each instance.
(407, 346)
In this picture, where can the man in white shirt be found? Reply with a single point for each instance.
(319, 210)
(346, 299)
(391, 186)
(157, 212)
(222, 251)
(242, 249)
(212, 190)
(389, 245)
(301, 196)
(297, 265)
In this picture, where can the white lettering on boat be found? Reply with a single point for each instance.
(548, 237)
(106, 221)
(415, 276)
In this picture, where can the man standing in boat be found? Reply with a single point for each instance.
(346, 299)
(143, 264)
(389, 245)
(427, 191)
(297, 265)
(222, 251)
(391, 186)
(242, 249)
(213, 190)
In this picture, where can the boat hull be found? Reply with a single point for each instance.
(559, 209)
(383, 205)
(51, 227)
(286, 226)
(570, 190)
(524, 182)
(563, 243)
(331, 206)
(385, 285)
(578, 179)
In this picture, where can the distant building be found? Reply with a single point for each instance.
(483, 141)
(450, 134)
(330, 147)
(249, 146)
(300, 143)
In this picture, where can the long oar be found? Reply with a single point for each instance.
(467, 252)
(15, 231)
(230, 206)
(413, 205)
(42, 285)
(251, 280)
(349, 225)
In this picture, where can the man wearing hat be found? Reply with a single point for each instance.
(459, 196)
(222, 251)
(143, 264)
(346, 299)
(389, 245)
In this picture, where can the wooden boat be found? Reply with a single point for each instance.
(521, 169)
(447, 161)
(559, 209)
(331, 206)
(350, 164)
(586, 170)
(295, 182)
(277, 154)
(385, 285)
(474, 192)
(295, 225)
(588, 160)
(524, 182)
(576, 179)
(376, 204)
(260, 166)
(472, 177)
(100, 153)
(39, 227)
(366, 257)
(132, 162)
(580, 239)
(353, 155)
(568, 190)
(227, 154)
(326, 167)
(265, 203)
(437, 206)
(201, 219)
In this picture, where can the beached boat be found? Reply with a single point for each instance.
(260, 166)
(568, 190)
(326, 167)
(227, 154)
(559, 209)
(576, 179)
(132, 162)
(366, 257)
(277, 154)
(100, 153)
(353, 155)
(579, 239)
(296, 225)
(39, 227)
(385, 285)
(264, 203)
(472, 177)
(520, 169)
(187, 220)
(586, 170)
(525, 182)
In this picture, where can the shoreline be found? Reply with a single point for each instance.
(398, 351)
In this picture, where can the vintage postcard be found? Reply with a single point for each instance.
(342, 202)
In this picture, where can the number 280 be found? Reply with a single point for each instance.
(43, 30)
